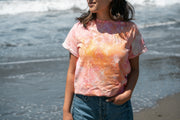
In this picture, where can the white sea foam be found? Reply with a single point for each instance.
(32, 61)
(158, 24)
(152, 52)
(21, 6)
(22, 76)
(154, 2)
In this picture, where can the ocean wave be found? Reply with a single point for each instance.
(154, 2)
(8, 44)
(22, 76)
(34, 61)
(20, 6)
(158, 24)
(165, 54)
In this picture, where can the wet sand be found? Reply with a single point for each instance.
(165, 109)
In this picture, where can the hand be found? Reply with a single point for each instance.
(67, 116)
(121, 98)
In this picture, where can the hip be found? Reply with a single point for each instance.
(96, 108)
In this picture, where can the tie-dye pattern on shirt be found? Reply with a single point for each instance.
(103, 51)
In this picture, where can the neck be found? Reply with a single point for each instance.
(103, 15)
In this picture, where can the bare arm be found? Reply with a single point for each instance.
(133, 75)
(132, 80)
(69, 91)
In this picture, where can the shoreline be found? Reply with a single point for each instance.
(167, 108)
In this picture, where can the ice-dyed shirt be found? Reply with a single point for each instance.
(103, 51)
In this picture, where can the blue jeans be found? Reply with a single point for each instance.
(96, 108)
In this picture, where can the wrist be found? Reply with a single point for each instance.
(66, 110)
(128, 92)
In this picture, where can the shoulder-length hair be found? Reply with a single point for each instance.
(119, 10)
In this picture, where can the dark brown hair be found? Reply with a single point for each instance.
(119, 10)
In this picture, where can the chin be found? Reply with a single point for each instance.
(93, 10)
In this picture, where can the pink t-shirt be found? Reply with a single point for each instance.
(103, 51)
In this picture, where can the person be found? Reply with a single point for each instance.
(104, 48)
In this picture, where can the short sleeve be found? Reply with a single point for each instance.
(137, 46)
(70, 42)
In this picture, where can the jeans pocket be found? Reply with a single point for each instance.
(76, 113)
(120, 112)
(122, 107)
(83, 107)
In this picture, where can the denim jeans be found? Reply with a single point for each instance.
(96, 108)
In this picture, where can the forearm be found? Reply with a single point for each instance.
(126, 95)
(69, 92)
(132, 80)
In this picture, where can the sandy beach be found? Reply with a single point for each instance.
(165, 109)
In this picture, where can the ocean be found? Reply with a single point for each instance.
(33, 64)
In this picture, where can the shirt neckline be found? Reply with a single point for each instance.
(103, 21)
(108, 21)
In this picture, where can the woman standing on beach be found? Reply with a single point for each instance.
(103, 68)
